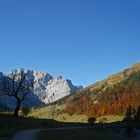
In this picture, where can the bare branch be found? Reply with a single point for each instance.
(18, 87)
(21, 82)
(28, 90)
(13, 80)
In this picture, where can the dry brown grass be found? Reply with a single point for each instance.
(46, 113)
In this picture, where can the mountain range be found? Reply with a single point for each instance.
(46, 89)
(112, 96)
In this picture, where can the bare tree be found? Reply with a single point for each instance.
(18, 87)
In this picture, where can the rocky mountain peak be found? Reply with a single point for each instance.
(46, 89)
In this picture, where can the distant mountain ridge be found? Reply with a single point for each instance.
(46, 88)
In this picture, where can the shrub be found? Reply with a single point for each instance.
(25, 111)
(91, 121)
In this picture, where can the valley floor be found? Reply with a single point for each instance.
(44, 129)
(78, 133)
(26, 135)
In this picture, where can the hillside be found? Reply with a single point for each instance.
(112, 96)
(115, 78)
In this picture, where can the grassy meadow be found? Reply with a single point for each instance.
(58, 114)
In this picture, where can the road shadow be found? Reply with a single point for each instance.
(9, 125)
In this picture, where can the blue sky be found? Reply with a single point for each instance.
(84, 40)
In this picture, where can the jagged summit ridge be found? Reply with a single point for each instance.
(46, 88)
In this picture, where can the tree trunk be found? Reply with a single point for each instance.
(16, 111)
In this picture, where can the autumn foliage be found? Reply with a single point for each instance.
(113, 100)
